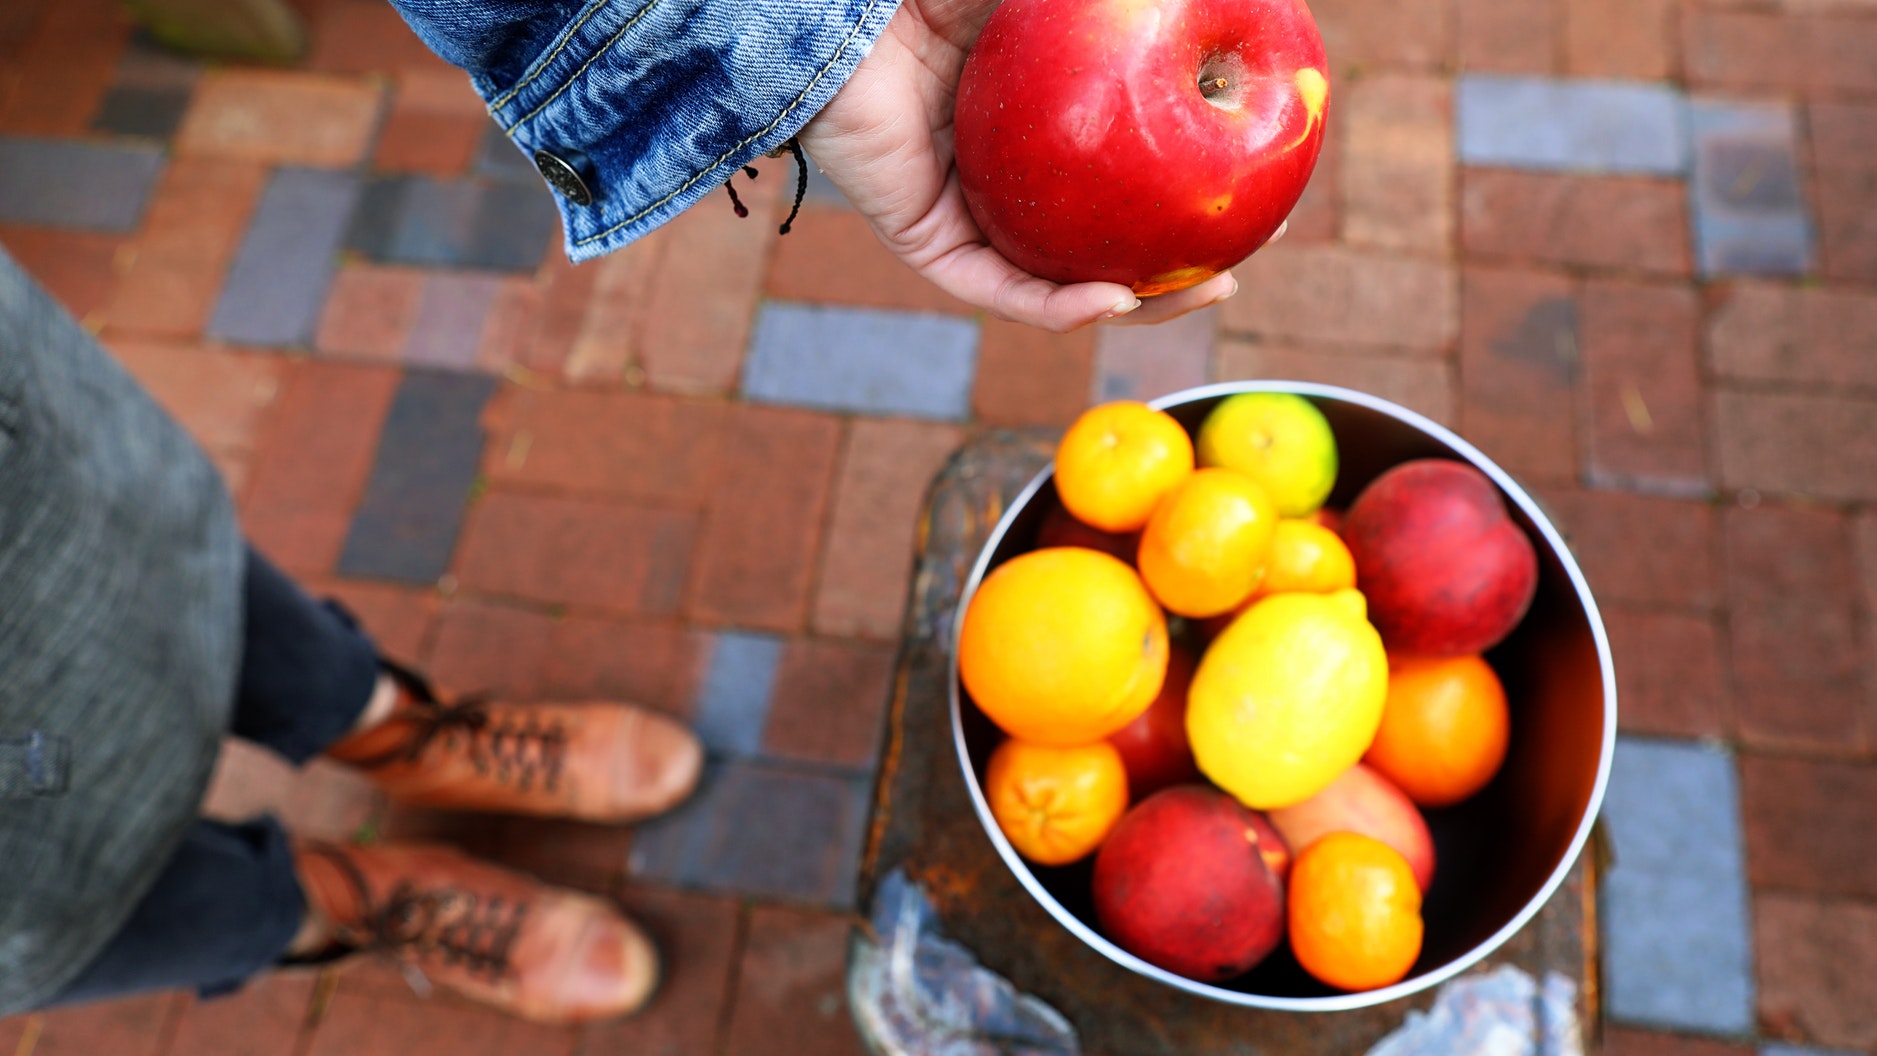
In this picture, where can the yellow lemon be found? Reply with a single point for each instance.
(1288, 697)
(1307, 556)
(1278, 439)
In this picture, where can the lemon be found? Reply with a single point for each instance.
(1278, 439)
(1288, 697)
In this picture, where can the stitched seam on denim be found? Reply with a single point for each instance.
(859, 23)
(591, 59)
(541, 66)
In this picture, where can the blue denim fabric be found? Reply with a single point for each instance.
(654, 102)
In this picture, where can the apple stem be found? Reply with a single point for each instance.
(1212, 86)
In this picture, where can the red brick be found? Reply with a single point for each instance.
(1518, 363)
(280, 117)
(1630, 39)
(361, 36)
(1028, 376)
(509, 330)
(1669, 673)
(1642, 376)
(399, 618)
(190, 233)
(1820, 446)
(606, 341)
(1817, 966)
(219, 395)
(490, 650)
(1743, 49)
(831, 256)
(1498, 37)
(1147, 362)
(65, 69)
(435, 124)
(265, 1018)
(248, 780)
(1763, 332)
(1808, 825)
(1397, 167)
(564, 293)
(1844, 153)
(1839, 54)
(828, 702)
(310, 467)
(791, 993)
(580, 855)
(1415, 34)
(15, 1030)
(698, 935)
(1620, 223)
(1419, 384)
(135, 1026)
(886, 468)
(1335, 295)
(762, 525)
(365, 1023)
(1628, 1041)
(1865, 542)
(631, 445)
(657, 664)
(1791, 593)
(1639, 549)
(369, 311)
(605, 555)
(701, 300)
(78, 268)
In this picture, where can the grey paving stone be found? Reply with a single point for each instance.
(279, 279)
(732, 707)
(132, 110)
(499, 159)
(489, 225)
(1777, 1049)
(1571, 125)
(863, 360)
(1677, 946)
(421, 477)
(1747, 201)
(62, 183)
(1143, 362)
(762, 829)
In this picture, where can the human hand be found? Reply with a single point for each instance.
(886, 141)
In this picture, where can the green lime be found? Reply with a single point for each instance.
(1278, 439)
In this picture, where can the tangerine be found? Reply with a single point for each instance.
(1309, 557)
(1355, 912)
(1062, 646)
(1204, 549)
(1445, 728)
(1056, 805)
(1117, 461)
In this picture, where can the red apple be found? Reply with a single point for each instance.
(1153, 748)
(1362, 801)
(1150, 144)
(1181, 883)
(1060, 528)
(1446, 572)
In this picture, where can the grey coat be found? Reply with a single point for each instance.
(120, 610)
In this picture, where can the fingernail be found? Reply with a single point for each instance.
(1226, 294)
(1122, 307)
(1279, 233)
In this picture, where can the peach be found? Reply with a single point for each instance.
(1365, 802)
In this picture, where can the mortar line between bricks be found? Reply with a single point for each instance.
(824, 531)
(733, 981)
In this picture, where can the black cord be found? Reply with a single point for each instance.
(801, 182)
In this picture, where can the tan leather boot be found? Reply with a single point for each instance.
(488, 933)
(606, 762)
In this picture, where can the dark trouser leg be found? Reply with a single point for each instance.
(229, 903)
(222, 911)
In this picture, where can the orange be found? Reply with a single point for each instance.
(1444, 728)
(1116, 462)
(1309, 557)
(1056, 805)
(1204, 549)
(1355, 912)
(1062, 646)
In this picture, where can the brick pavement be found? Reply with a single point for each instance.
(1627, 248)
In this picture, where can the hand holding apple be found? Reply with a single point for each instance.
(1153, 143)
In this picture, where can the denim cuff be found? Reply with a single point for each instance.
(654, 103)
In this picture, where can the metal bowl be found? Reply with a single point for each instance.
(1502, 853)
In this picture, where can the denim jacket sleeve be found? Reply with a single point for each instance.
(652, 103)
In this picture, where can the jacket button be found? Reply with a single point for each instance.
(562, 177)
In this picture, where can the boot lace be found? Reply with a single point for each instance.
(452, 924)
(514, 747)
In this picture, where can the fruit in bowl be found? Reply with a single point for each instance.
(1281, 723)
